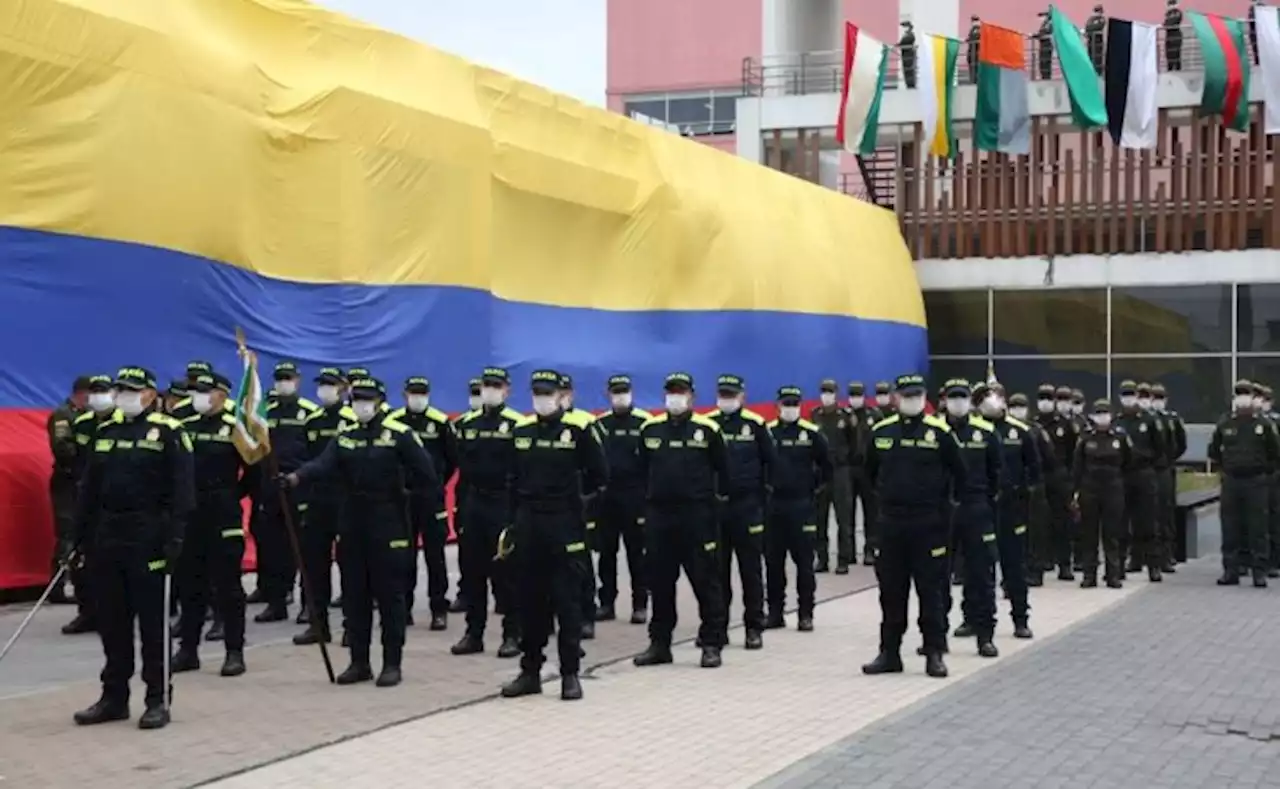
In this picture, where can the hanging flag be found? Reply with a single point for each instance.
(1131, 78)
(1002, 118)
(1087, 108)
(1226, 68)
(251, 436)
(865, 62)
(937, 57)
(1267, 19)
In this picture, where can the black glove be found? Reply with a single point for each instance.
(172, 550)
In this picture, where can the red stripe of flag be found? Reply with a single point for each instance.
(850, 45)
(1235, 77)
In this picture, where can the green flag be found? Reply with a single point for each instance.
(1088, 110)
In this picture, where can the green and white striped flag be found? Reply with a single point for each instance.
(252, 437)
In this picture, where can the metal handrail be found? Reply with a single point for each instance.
(823, 71)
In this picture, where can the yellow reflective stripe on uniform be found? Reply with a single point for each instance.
(1020, 529)
(709, 546)
(399, 543)
(158, 564)
(936, 552)
(442, 516)
(809, 527)
(575, 547)
(233, 533)
(759, 527)
(989, 537)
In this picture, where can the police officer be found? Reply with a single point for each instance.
(426, 507)
(884, 399)
(1039, 552)
(182, 408)
(459, 604)
(684, 460)
(1053, 406)
(864, 417)
(214, 545)
(179, 391)
(585, 420)
(1267, 408)
(622, 505)
(915, 464)
(1175, 446)
(557, 469)
(484, 459)
(973, 526)
(1246, 447)
(376, 461)
(62, 481)
(1020, 472)
(837, 427)
(1140, 482)
(323, 519)
(100, 402)
(135, 499)
(801, 468)
(742, 523)
(1102, 458)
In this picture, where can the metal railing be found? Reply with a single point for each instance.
(823, 72)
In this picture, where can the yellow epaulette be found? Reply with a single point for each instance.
(390, 423)
(892, 420)
(978, 421)
(396, 414)
(654, 420)
(526, 420)
(163, 419)
(938, 422)
(699, 419)
(511, 413)
(435, 414)
(806, 424)
(1017, 423)
(752, 416)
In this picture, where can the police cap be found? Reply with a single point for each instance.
(417, 384)
(197, 366)
(208, 382)
(1266, 391)
(566, 382)
(367, 388)
(882, 387)
(829, 385)
(856, 389)
(1062, 393)
(81, 384)
(99, 383)
(330, 375)
(1243, 386)
(178, 387)
(358, 372)
(1102, 406)
(732, 384)
(912, 383)
(285, 370)
(957, 387)
(1045, 392)
(546, 381)
(1258, 389)
(619, 384)
(1018, 398)
(1157, 389)
(135, 378)
(1128, 387)
(498, 375)
(1077, 396)
(1144, 388)
(474, 385)
(790, 395)
(981, 389)
(678, 382)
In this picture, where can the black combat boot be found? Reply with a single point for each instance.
(274, 612)
(217, 631)
(922, 652)
(528, 683)
(656, 655)
(639, 615)
(439, 622)
(233, 664)
(1154, 575)
(606, 613)
(79, 624)
(885, 663)
(805, 625)
(754, 640)
(185, 659)
(408, 618)
(1065, 574)
(104, 710)
(1259, 579)
(255, 597)
(358, 671)
(458, 606)
(390, 675)
(313, 635)
(965, 630)
(842, 567)
(1273, 573)
(934, 665)
(510, 647)
(303, 617)
(156, 716)
(1021, 630)
(1134, 566)
(588, 631)
(467, 645)
(822, 565)
(711, 657)
(570, 687)
(1035, 579)
(868, 558)
(987, 647)
(775, 620)
(1090, 580)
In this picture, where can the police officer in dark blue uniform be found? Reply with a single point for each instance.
(622, 505)
(557, 471)
(683, 457)
(376, 461)
(916, 465)
(459, 604)
(801, 467)
(742, 522)
(587, 421)
(135, 499)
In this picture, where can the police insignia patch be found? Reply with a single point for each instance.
(804, 435)
(386, 436)
(431, 428)
(566, 437)
(301, 414)
(225, 431)
(840, 424)
(929, 435)
(1142, 428)
(746, 431)
(1258, 429)
(1013, 434)
(504, 427)
(1115, 444)
(153, 434)
(1060, 433)
(697, 434)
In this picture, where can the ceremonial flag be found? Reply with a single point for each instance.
(866, 61)
(1131, 83)
(1226, 68)
(251, 437)
(1267, 19)
(937, 70)
(1087, 108)
(1002, 118)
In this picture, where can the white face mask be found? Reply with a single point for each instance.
(1257, 403)
(621, 401)
(958, 406)
(789, 413)
(728, 405)
(327, 394)
(1044, 406)
(677, 403)
(882, 400)
(857, 401)
(1159, 404)
(1240, 402)
(1266, 406)
(566, 400)
(417, 403)
(101, 401)
(991, 406)
(473, 402)
(1064, 407)
(1102, 421)
(1077, 408)
(365, 409)
(201, 402)
(1144, 403)
(911, 406)
(287, 388)
(1019, 412)
(828, 398)
(545, 404)
(129, 403)
(491, 395)
(1128, 401)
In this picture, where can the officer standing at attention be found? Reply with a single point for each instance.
(484, 459)
(179, 391)
(916, 465)
(1054, 406)
(684, 460)
(802, 467)
(557, 470)
(1020, 472)
(742, 522)
(884, 399)
(1038, 551)
(376, 461)
(1267, 408)
(1102, 458)
(622, 505)
(459, 604)
(1140, 482)
(1175, 445)
(214, 544)
(1246, 448)
(426, 507)
(182, 408)
(863, 417)
(135, 499)
(585, 420)
(62, 482)
(973, 525)
(324, 513)
(101, 403)
(837, 427)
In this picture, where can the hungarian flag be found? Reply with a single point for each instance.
(1226, 68)
(1002, 118)
(865, 62)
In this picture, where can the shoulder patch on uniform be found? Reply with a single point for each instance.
(806, 424)
(938, 422)
(711, 424)
(436, 415)
(772, 424)
(752, 416)
(228, 419)
(886, 422)
(1018, 423)
(161, 419)
(526, 420)
(979, 422)
(314, 415)
(394, 425)
(511, 413)
(307, 404)
(86, 416)
(654, 420)
(642, 414)
(397, 413)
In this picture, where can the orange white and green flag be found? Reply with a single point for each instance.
(1002, 117)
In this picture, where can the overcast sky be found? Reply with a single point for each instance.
(559, 44)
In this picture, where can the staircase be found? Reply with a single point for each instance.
(879, 175)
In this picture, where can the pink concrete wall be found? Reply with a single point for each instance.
(880, 18)
(661, 45)
(1021, 15)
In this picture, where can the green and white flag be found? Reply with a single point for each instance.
(252, 437)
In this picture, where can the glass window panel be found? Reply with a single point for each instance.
(1198, 387)
(1051, 322)
(1263, 369)
(694, 112)
(957, 322)
(942, 370)
(1258, 318)
(725, 110)
(1026, 375)
(653, 109)
(1190, 320)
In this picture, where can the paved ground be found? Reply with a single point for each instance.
(677, 726)
(283, 706)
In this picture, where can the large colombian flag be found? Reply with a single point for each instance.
(176, 168)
